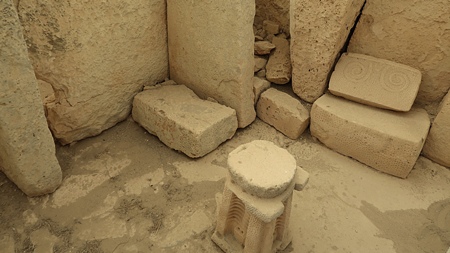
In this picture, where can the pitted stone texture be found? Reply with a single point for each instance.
(414, 33)
(376, 82)
(259, 86)
(97, 55)
(27, 150)
(385, 140)
(437, 146)
(263, 47)
(273, 10)
(319, 30)
(183, 121)
(283, 112)
(278, 68)
(211, 46)
(261, 168)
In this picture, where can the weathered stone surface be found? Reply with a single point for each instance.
(274, 10)
(211, 46)
(376, 82)
(271, 27)
(278, 68)
(414, 33)
(263, 47)
(259, 86)
(27, 150)
(183, 121)
(437, 146)
(319, 30)
(261, 168)
(283, 112)
(97, 55)
(385, 140)
(260, 62)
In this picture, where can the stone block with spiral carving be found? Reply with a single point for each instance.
(376, 82)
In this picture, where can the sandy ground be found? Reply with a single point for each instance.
(124, 191)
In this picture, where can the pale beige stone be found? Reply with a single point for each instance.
(437, 146)
(271, 27)
(97, 55)
(211, 46)
(260, 62)
(183, 121)
(278, 68)
(385, 140)
(45, 89)
(283, 112)
(27, 150)
(261, 73)
(251, 163)
(414, 33)
(376, 82)
(259, 86)
(274, 10)
(263, 47)
(319, 30)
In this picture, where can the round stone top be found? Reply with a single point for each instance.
(261, 168)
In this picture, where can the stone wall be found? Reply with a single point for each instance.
(97, 55)
(274, 10)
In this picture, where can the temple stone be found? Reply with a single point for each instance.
(278, 68)
(376, 82)
(271, 27)
(263, 47)
(97, 55)
(211, 46)
(260, 62)
(414, 33)
(182, 120)
(384, 140)
(27, 150)
(259, 86)
(437, 146)
(283, 112)
(319, 30)
(273, 10)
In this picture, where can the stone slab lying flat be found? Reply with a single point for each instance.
(283, 112)
(376, 82)
(278, 68)
(437, 146)
(319, 30)
(384, 140)
(27, 149)
(183, 121)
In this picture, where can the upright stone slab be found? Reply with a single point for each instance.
(437, 146)
(283, 112)
(97, 55)
(27, 150)
(319, 30)
(211, 51)
(182, 120)
(414, 33)
(385, 140)
(376, 82)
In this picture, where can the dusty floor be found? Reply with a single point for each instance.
(124, 191)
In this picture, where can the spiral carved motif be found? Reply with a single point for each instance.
(357, 71)
(394, 80)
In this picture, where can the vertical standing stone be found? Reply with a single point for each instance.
(211, 51)
(27, 150)
(319, 30)
(97, 55)
(414, 33)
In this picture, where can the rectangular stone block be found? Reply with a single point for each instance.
(437, 146)
(283, 112)
(385, 140)
(376, 82)
(182, 120)
(414, 33)
(319, 30)
(211, 45)
(27, 149)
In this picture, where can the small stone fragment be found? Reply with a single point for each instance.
(283, 112)
(183, 121)
(259, 86)
(279, 69)
(258, 38)
(261, 73)
(263, 47)
(271, 27)
(260, 62)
